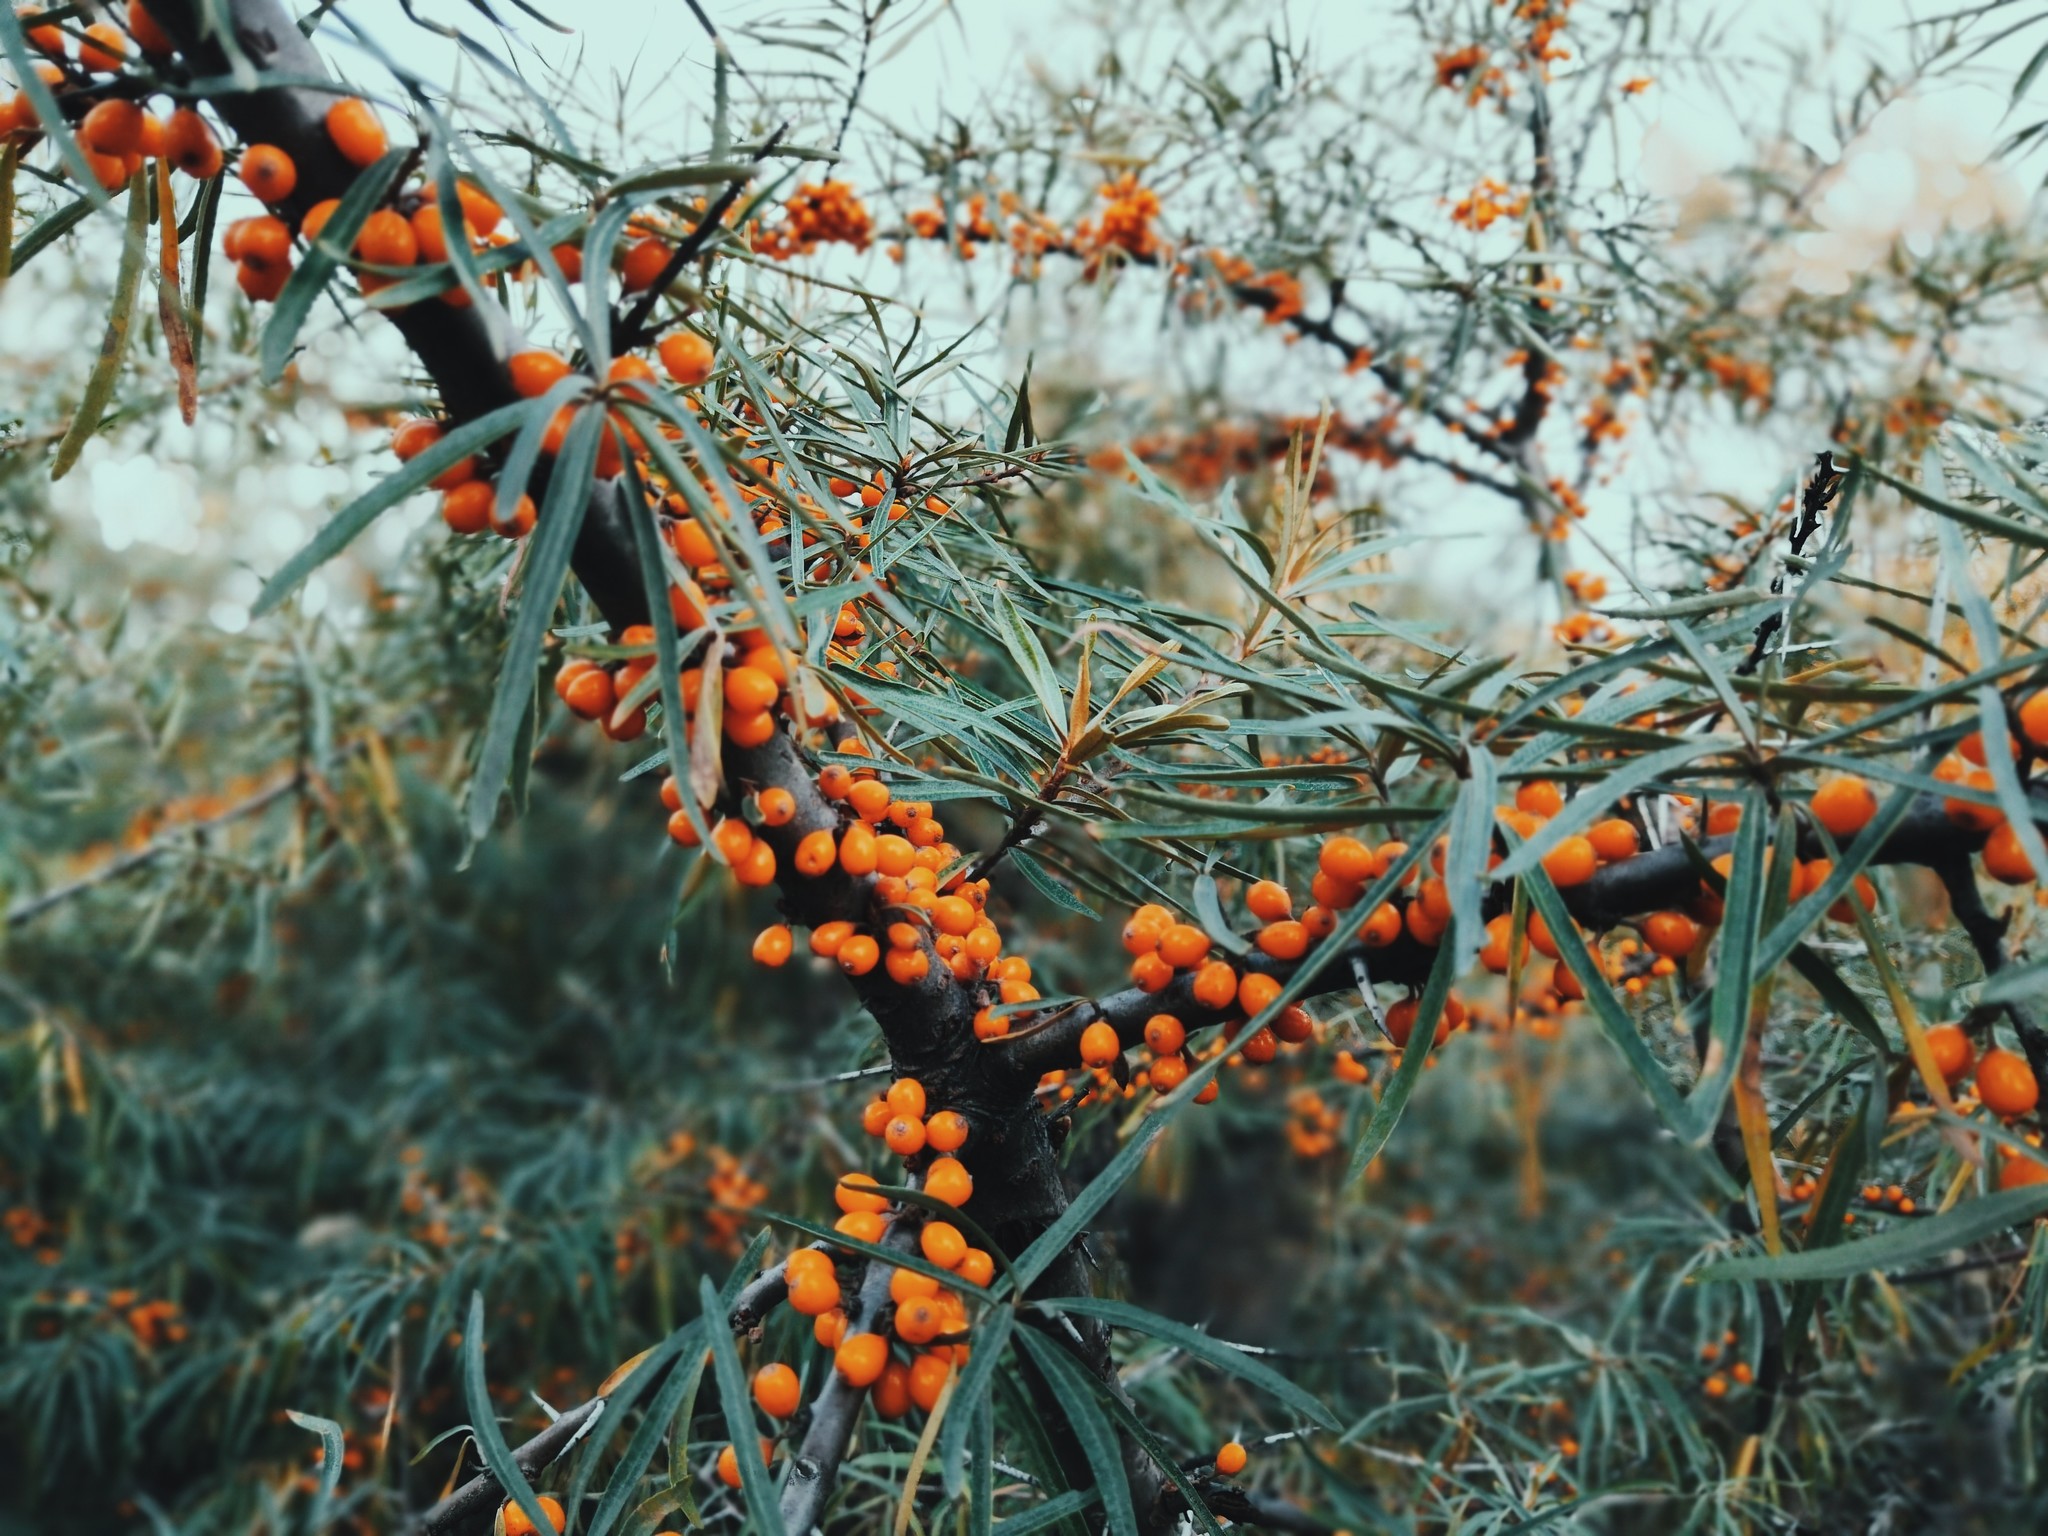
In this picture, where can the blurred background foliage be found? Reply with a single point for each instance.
(290, 1070)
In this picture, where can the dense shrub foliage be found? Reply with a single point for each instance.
(1251, 792)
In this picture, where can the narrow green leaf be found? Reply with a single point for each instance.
(1734, 976)
(331, 1449)
(653, 1427)
(1202, 1346)
(1021, 641)
(1070, 1386)
(106, 368)
(763, 1508)
(1904, 1242)
(1041, 880)
(547, 562)
(1421, 1041)
(309, 278)
(341, 530)
(1614, 1019)
(972, 1391)
(483, 1421)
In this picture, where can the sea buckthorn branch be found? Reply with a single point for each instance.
(927, 1023)
(836, 1410)
(465, 349)
(1618, 893)
(469, 1506)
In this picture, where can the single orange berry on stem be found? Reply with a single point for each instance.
(353, 125)
(268, 172)
(1231, 1459)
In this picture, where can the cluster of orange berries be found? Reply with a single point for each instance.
(905, 1355)
(1487, 202)
(906, 864)
(405, 233)
(820, 212)
(1126, 220)
(1739, 1374)
(116, 135)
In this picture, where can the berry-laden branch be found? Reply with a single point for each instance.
(777, 815)
(1190, 991)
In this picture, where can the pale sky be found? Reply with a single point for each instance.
(1919, 166)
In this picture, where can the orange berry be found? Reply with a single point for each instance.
(189, 145)
(1539, 797)
(149, 37)
(750, 689)
(535, 372)
(104, 49)
(387, 240)
(903, 1135)
(1670, 933)
(1141, 934)
(1151, 974)
(1268, 901)
(777, 1391)
(1382, 926)
(1164, 1035)
(1183, 946)
(685, 355)
(946, 1131)
(1215, 984)
(942, 1243)
(2006, 1083)
(1262, 1047)
(830, 1328)
(467, 508)
(758, 867)
(1255, 993)
(1973, 814)
(890, 1396)
(816, 854)
(906, 1096)
(955, 915)
(517, 1522)
(860, 1359)
(948, 1181)
(112, 128)
(643, 265)
(1401, 1022)
(1952, 1051)
(1348, 860)
(2034, 718)
(1285, 940)
(772, 945)
(2005, 860)
(1571, 862)
(1168, 1073)
(1293, 1024)
(1844, 804)
(835, 781)
(1613, 839)
(1099, 1044)
(853, 1193)
(353, 126)
(861, 1226)
(976, 1267)
(776, 805)
(857, 956)
(1231, 1458)
(268, 172)
(2018, 1172)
